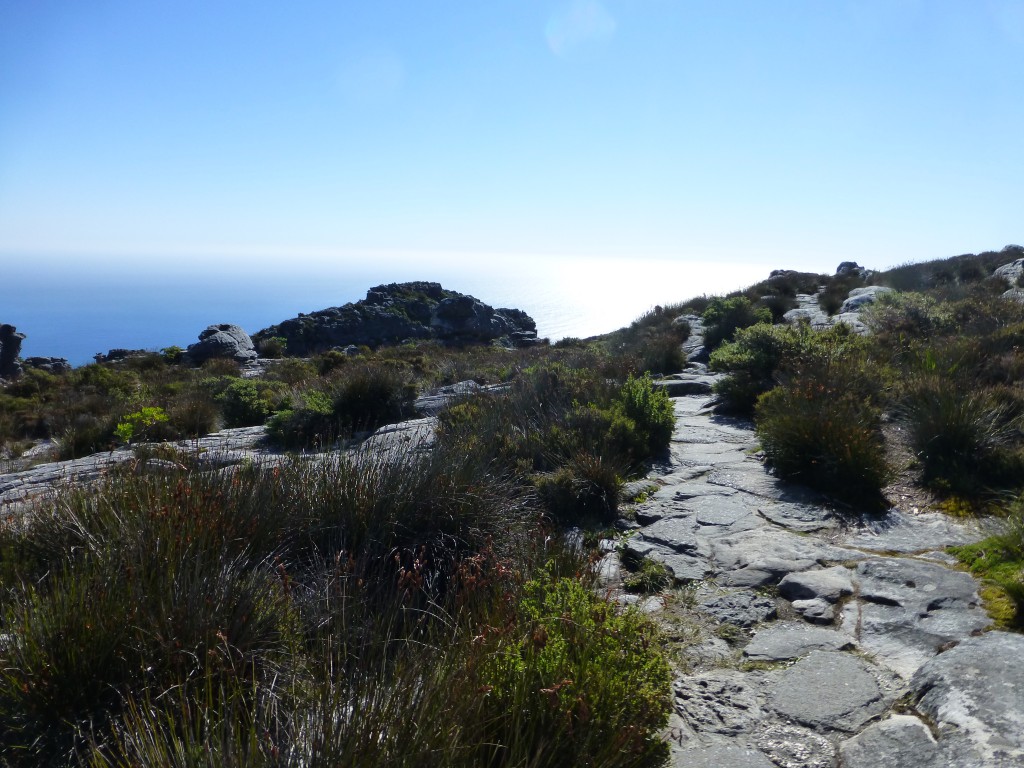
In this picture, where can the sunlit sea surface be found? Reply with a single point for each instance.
(76, 306)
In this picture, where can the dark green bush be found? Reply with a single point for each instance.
(368, 396)
(964, 436)
(724, 317)
(243, 405)
(586, 489)
(756, 355)
(819, 430)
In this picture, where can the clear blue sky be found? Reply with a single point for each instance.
(796, 133)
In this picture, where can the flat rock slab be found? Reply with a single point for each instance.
(762, 557)
(834, 691)
(720, 756)
(974, 694)
(783, 641)
(723, 702)
(908, 534)
(753, 479)
(830, 584)
(901, 740)
(805, 518)
(741, 608)
(908, 609)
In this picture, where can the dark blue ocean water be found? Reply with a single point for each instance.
(77, 306)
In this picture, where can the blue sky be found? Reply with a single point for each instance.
(794, 133)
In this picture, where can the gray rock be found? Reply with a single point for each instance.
(828, 584)
(438, 399)
(861, 297)
(222, 341)
(850, 268)
(723, 702)
(744, 609)
(817, 610)
(10, 349)
(901, 740)
(974, 694)
(908, 609)
(790, 746)
(720, 756)
(898, 531)
(806, 518)
(48, 364)
(828, 690)
(783, 641)
(684, 384)
(1010, 272)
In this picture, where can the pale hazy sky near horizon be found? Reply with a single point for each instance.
(791, 133)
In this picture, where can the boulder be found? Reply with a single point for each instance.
(1010, 272)
(224, 341)
(861, 297)
(48, 364)
(850, 268)
(10, 349)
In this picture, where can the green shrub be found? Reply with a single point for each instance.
(242, 404)
(724, 317)
(646, 576)
(652, 410)
(141, 424)
(310, 424)
(586, 489)
(369, 396)
(587, 683)
(963, 435)
(819, 430)
(758, 353)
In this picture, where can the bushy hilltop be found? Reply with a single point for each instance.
(398, 312)
(319, 603)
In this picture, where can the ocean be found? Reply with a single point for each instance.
(77, 306)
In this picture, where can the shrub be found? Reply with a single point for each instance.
(591, 680)
(586, 489)
(272, 348)
(724, 317)
(369, 396)
(652, 410)
(819, 430)
(757, 354)
(242, 404)
(308, 425)
(141, 424)
(962, 435)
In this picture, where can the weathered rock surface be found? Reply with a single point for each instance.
(10, 349)
(399, 311)
(48, 364)
(863, 602)
(783, 641)
(829, 690)
(974, 696)
(861, 297)
(225, 341)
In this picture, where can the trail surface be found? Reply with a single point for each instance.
(810, 639)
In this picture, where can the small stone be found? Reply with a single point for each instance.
(817, 610)
(828, 584)
(790, 746)
(720, 756)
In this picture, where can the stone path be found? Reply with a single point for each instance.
(812, 639)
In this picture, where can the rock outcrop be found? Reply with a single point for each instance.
(399, 311)
(10, 349)
(224, 340)
(48, 364)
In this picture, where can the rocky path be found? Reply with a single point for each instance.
(809, 638)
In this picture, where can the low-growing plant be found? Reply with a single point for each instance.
(564, 670)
